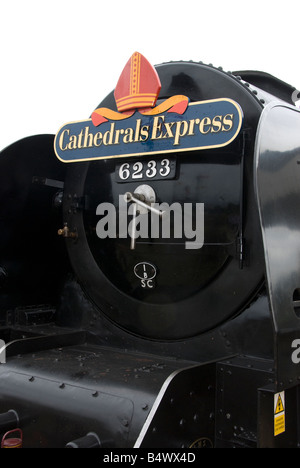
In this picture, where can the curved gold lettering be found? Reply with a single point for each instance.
(61, 139)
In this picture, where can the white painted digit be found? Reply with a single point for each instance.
(137, 167)
(151, 172)
(165, 170)
(124, 172)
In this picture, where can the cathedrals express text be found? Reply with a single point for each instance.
(200, 127)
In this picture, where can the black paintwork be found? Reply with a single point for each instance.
(90, 350)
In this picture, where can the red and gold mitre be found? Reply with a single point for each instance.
(138, 86)
(137, 90)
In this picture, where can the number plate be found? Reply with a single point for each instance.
(153, 169)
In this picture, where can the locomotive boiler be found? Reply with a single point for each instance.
(120, 331)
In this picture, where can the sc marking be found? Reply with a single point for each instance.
(146, 272)
(147, 284)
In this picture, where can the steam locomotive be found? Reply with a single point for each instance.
(139, 342)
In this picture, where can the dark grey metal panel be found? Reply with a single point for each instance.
(62, 394)
(183, 413)
(277, 169)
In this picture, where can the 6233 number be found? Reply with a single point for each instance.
(154, 169)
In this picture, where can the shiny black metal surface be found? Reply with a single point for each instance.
(278, 182)
(196, 284)
(73, 390)
(195, 359)
(32, 258)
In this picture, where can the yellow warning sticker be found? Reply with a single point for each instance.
(279, 405)
(279, 413)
